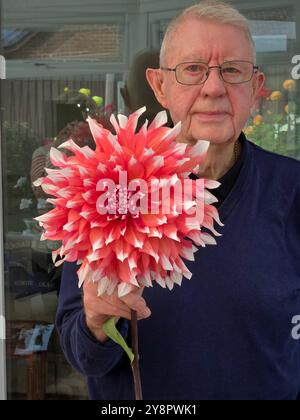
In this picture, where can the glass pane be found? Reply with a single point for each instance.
(275, 122)
(37, 368)
(60, 67)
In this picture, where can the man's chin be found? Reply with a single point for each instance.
(214, 136)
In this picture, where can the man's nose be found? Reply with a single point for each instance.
(214, 85)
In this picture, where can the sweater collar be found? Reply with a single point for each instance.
(244, 167)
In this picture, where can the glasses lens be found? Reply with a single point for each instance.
(237, 71)
(191, 73)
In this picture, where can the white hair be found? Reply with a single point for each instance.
(209, 10)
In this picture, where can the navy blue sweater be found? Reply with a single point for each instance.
(227, 333)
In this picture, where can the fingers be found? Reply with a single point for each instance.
(137, 303)
(113, 305)
(105, 305)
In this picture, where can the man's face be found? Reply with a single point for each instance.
(215, 110)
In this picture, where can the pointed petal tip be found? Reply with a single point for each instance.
(160, 120)
(38, 182)
(200, 148)
(141, 111)
(124, 289)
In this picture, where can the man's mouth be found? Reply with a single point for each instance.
(211, 115)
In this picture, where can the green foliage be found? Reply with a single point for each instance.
(276, 125)
(19, 144)
(277, 133)
(17, 147)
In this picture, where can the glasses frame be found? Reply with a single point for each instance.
(255, 70)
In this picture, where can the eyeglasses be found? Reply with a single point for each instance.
(196, 73)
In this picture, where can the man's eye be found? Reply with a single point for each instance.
(194, 68)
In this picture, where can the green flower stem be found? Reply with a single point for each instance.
(135, 364)
(111, 331)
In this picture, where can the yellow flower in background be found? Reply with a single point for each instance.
(66, 89)
(276, 95)
(98, 100)
(249, 130)
(258, 119)
(289, 84)
(85, 92)
(286, 109)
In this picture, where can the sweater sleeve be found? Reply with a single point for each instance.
(293, 228)
(82, 350)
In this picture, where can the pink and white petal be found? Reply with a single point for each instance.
(208, 239)
(165, 263)
(160, 280)
(38, 182)
(112, 286)
(145, 279)
(173, 133)
(187, 253)
(103, 284)
(123, 120)
(209, 198)
(176, 277)
(147, 249)
(171, 232)
(213, 212)
(124, 272)
(200, 148)
(97, 275)
(134, 238)
(185, 271)
(169, 283)
(133, 120)
(155, 233)
(124, 289)
(160, 120)
(70, 145)
(97, 238)
(211, 184)
(195, 236)
(114, 123)
(122, 251)
(58, 158)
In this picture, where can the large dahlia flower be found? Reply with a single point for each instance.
(120, 232)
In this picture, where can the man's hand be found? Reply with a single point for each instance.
(98, 309)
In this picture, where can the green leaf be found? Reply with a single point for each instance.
(111, 331)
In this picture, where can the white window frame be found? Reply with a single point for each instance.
(3, 378)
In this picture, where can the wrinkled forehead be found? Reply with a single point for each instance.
(197, 39)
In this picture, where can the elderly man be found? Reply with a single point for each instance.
(227, 334)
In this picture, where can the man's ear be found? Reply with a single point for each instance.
(155, 80)
(259, 83)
